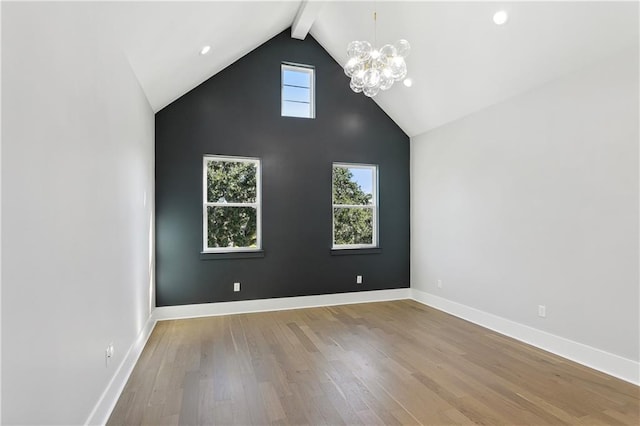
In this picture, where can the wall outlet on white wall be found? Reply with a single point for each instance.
(236, 287)
(108, 353)
(542, 311)
(439, 283)
(358, 279)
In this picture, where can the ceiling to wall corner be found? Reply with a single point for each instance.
(163, 45)
(460, 62)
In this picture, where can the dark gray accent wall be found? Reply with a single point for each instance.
(237, 112)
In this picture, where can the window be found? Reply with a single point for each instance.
(231, 207)
(355, 206)
(297, 91)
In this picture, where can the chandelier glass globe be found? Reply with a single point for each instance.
(372, 69)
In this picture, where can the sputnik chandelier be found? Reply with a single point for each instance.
(372, 69)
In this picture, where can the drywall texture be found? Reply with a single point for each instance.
(77, 205)
(534, 201)
(237, 112)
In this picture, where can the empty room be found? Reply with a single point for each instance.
(320, 212)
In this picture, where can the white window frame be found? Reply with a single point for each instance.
(373, 206)
(257, 204)
(289, 66)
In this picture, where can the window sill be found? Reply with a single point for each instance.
(232, 255)
(352, 251)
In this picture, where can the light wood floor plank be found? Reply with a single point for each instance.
(389, 363)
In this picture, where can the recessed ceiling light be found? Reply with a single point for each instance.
(205, 50)
(500, 17)
(408, 82)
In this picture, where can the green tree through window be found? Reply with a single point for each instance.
(231, 206)
(354, 207)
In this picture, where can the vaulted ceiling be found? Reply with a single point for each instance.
(460, 61)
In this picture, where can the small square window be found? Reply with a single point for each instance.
(298, 83)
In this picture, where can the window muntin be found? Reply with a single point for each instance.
(231, 211)
(298, 83)
(355, 205)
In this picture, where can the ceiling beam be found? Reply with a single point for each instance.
(303, 21)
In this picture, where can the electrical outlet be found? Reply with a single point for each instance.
(108, 353)
(236, 287)
(439, 283)
(358, 279)
(542, 311)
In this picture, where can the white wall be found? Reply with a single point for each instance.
(0, 219)
(77, 205)
(534, 201)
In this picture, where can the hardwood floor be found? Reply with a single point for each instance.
(377, 363)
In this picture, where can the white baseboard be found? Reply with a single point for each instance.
(614, 365)
(109, 397)
(279, 304)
